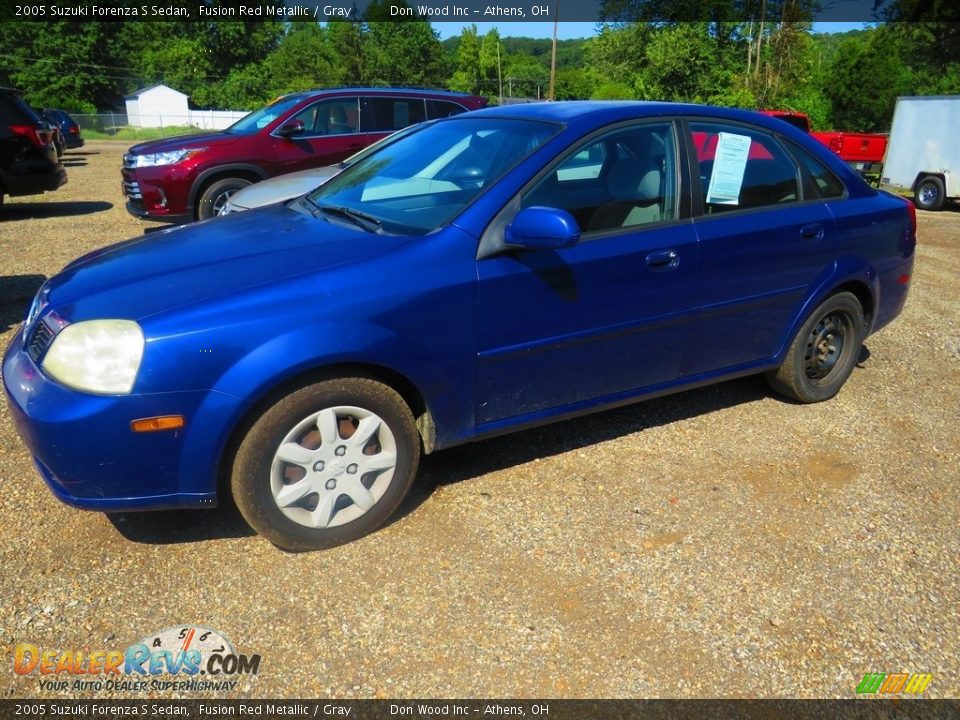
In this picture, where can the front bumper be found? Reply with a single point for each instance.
(86, 452)
(157, 193)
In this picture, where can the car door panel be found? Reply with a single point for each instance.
(594, 320)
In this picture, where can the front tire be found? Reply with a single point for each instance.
(824, 351)
(326, 464)
(930, 193)
(215, 196)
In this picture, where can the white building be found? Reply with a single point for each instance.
(157, 106)
(162, 106)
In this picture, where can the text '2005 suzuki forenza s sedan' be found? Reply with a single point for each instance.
(499, 269)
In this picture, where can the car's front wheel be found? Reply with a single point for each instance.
(326, 464)
(216, 195)
(824, 351)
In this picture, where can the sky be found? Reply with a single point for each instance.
(573, 30)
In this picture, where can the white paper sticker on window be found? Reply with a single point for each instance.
(729, 164)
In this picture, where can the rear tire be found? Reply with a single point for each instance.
(930, 193)
(326, 464)
(824, 351)
(215, 196)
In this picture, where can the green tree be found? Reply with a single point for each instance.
(466, 75)
(61, 64)
(866, 79)
(349, 47)
(304, 59)
(402, 52)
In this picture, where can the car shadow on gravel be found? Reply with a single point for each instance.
(476, 459)
(16, 294)
(473, 460)
(30, 211)
(173, 527)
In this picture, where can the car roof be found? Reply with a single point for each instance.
(379, 91)
(604, 111)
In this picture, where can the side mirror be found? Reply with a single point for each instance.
(291, 129)
(543, 228)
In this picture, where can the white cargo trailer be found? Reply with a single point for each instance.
(923, 153)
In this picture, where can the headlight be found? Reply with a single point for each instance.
(164, 158)
(97, 356)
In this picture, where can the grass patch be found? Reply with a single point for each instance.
(133, 133)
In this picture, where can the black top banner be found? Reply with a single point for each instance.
(468, 11)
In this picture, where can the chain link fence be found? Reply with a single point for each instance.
(118, 125)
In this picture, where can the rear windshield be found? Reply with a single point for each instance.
(13, 110)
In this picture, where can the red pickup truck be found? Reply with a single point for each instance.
(864, 151)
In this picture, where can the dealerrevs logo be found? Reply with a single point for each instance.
(173, 659)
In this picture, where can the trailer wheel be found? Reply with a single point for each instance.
(929, 194)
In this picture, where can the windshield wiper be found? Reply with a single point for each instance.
(357, 217)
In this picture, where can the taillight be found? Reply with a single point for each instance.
(912, 209)
(31, 133)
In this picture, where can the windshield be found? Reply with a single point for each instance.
(259, 119)
(391, 138)
(420, 182)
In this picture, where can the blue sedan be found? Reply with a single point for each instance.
(500, 269)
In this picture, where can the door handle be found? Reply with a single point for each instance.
(664, 260)
(812, 232)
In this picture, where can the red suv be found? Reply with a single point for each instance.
(190, 177)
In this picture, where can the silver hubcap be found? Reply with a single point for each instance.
(333, 467)
(220, 201)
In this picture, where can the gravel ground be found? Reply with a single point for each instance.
(718, 543)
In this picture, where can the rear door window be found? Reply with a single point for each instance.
(742, 168)
(385, 114)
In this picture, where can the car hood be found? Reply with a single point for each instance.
(202, 261)
(184, 142)
(283, 187)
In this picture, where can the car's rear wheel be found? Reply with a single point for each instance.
(823, 352)
(326, 464)
(216, 195)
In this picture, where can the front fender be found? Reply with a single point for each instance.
(311, 349)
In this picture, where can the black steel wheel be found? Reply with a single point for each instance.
(823, 352)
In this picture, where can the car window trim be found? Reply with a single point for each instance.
(792, 148)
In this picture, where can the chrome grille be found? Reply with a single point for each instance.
(39, 340)
(132, 190)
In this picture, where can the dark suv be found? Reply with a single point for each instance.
(69, 128)
(28, 158)
(192, 176)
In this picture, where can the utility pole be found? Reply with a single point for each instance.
(499, 73)
(553, 53)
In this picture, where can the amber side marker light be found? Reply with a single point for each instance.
(154, 424)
